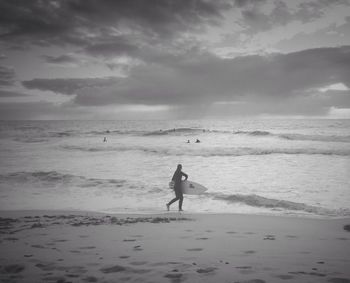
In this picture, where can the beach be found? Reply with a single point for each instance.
(76, 208)
(76, 246)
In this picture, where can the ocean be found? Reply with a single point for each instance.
(294, 167)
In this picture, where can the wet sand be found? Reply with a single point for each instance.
(56, 246)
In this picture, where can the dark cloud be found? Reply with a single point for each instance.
(7, 76)
(62, 59)
(276, 83)
(68, 86)
(82, 22)
(118, 46)
(8, 93)
(244, 3)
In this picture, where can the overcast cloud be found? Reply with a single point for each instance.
(218, 57)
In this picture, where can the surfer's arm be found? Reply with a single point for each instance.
(185, 175)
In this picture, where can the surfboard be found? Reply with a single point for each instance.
(190, 188)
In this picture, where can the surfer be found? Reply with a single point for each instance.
(177, 178)
(105, 139)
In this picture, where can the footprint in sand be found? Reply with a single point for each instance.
(13, 268)
(138, 263)
(252, 281)
(87, 248)
(113, 269)
(38, 246)
(308, 273)
(206, 270)
(173, 275)
(138, 248)
(339, 280)
(250, 252)
(46, 267)
(284, 276)
(90, 279)
(129, 240)
(269, 237)
(244, 267)
(124, 256)
(73, 275)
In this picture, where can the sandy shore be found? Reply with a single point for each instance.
(49, 246)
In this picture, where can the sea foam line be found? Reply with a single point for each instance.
(259, 201)
(212, 151)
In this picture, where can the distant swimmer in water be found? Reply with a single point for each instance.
(105, 139)
(198, 141)
(188, 141)
(177, 178)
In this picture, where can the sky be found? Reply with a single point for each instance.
(174, 59)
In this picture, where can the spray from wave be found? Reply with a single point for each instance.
(259, 201)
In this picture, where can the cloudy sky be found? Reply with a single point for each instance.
(170, 59)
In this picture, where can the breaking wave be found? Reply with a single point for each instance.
(259, 201)
(214, 151)
(54, 178)
(296, 136)
(254, 133)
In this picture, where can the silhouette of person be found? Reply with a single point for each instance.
(105, 139)
(198, 141)
(188, 141)
(177, 178)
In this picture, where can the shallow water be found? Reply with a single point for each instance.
(282, 167)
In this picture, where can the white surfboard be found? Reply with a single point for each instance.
(190, 188)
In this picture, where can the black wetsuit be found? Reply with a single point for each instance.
(177, 177)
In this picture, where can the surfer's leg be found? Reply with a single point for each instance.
(180, 203)
(178, 195)
(172, 201)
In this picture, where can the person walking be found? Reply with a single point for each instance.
(177, 178)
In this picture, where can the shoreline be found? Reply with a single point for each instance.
(27, 212)
(77, 246)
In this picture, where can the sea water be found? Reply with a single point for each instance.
(252, 166)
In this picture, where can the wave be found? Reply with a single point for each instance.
(321, 138)
(176, 131)
(213, 151)
(54, 178)
(254, 133)
(259, 201)
(42, 136)
(296, 136)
